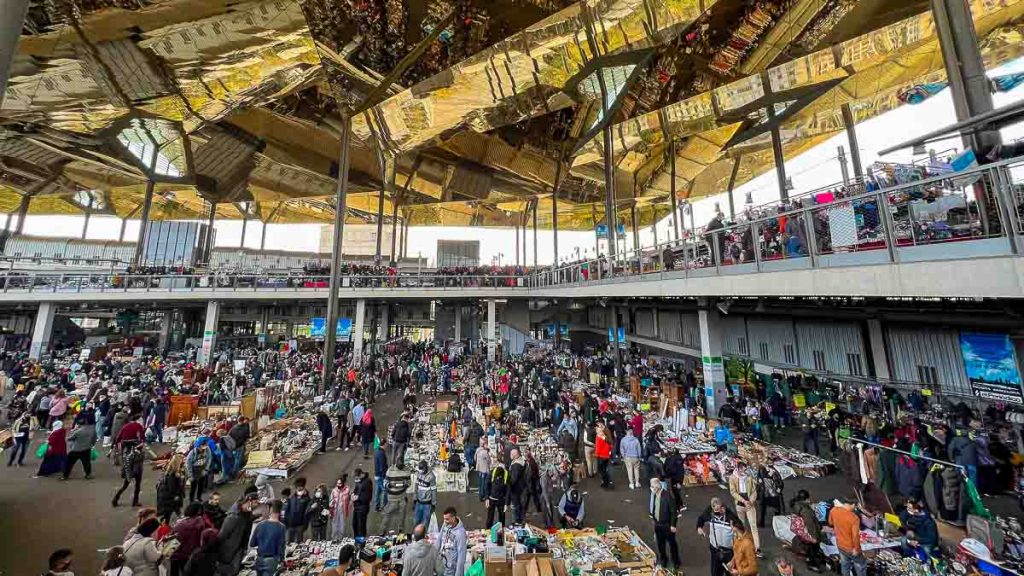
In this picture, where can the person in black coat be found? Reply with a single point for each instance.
(400, 441)
(363, 491)
(497, 498)
(170, 491)
(296, 512)
(234, 535)
(323, 422)
(675, 470)
(663, 513)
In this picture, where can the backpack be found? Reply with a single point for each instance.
(202, 456)
(342, 408)
(366, 419)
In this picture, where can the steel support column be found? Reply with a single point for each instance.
(515, 228)
(633, 223)
(672, 188)
(147, 203)
(340, 211)
(12, 18)
(609, 197)
(245, 224)
(554, 211)
(851, 134)
(263, 237)
(380, 225)
(777, 151)
(208, 249)
(732, 186)
(88, 215)
(22, 213)
(535, 204)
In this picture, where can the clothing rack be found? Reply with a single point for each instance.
(916, 456)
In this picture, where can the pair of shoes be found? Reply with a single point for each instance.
(338, 449)
(759, 554)
(815, 569)
(88, 476)
(62, 478)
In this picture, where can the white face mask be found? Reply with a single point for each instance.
(319, 493)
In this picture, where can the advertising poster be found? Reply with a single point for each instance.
(318, 327)
(991, 366)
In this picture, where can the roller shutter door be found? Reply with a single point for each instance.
(930, 357)
(773, 340)
(669, 326)
(835, 347)
(734, 336)
(645, 323)
(690, 330)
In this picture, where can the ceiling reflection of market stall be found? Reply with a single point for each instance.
(238, 105)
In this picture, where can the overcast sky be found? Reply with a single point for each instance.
(816, 168)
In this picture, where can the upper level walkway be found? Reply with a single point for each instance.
(952, 235)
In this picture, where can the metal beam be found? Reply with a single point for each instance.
(851, 134)
(147, 203)
(732, 185)
(340, 210)
(672, 189)
(22, 213)
(208, 251)
(536, 203)
(12, 18)
(554, 211)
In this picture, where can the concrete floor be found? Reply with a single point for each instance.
(41, 515)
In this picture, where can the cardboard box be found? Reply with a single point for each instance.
(538, 565)
(497, 568)
(370, 568)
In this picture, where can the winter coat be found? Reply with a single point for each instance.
(402, 432)
(908, 476)
(234, 537)
(422, 559)
(170, 493)
(316, 508)
(296, 510)
(188, 531)
(203, 561)
(142, 556)
(805, 510)
(364, 494)
(426, 488)
(82, 438)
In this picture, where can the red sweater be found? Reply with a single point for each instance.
(602, 449)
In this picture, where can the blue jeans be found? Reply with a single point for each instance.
(853, 565)
(470, 455)
(381, 497)
(158, 430)
(421, 514)
(267, 565)
(484, 488)
(972, 473)
(227, 465)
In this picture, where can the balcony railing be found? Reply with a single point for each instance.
(974, 213)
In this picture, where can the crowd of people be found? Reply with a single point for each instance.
(115, 409)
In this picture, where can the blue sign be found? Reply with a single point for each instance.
(563, 330)
(620, 229)
(991, 367)
(622, 335)
(343, 332)
(602, 230)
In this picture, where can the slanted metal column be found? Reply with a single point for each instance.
(851, 134)
(535, 204)
(263, 237)
(88, 214)
(609, 197)
(672, 188)
(340, 211)
(380, 225)
(143, 223)
(12, 18)
(554, 211)
(732, 186)
(245, 224)
(208, 249)
(965, 68)
(22, 212)
(777, 152)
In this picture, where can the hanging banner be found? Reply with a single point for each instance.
(318, 327)
(991, 366)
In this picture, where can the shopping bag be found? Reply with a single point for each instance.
(94, 454)
(376, 443)
(433, 528)
(41, 451)
(477, 569)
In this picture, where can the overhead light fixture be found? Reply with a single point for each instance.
(920, 150)
(724, 306)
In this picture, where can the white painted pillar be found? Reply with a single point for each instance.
(43, 330)
(715, 387)
(879, 355)
(458, 323)
(165, 331)
(384, 324)
(206, 353)
(357, 330)
(492, 344)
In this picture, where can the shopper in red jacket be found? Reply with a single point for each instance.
(603, 453)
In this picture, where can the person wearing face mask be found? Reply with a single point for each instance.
(426, 494)
(320, 512)
(743, 487)
(341, 507)
(361, 498)
(571, 508)
(716, 524)
(296, 512)
(663, 513)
